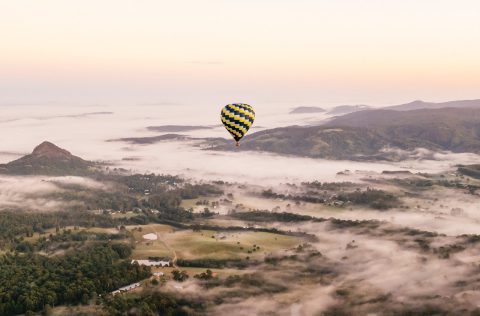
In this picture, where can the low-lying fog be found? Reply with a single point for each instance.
(376, 265)
(84, 130)
(34, 192)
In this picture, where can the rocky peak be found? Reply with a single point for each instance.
(50, 150)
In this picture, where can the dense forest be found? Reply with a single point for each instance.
(154, 303)
(33, 282)
(266, 216)
(377, 199)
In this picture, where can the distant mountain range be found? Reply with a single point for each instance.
(306, 109)
(177, 128)
(48, 159)
(345, 109)
(366, 134)
(149, 139)
(417, 105)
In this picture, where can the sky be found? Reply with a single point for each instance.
(296, 52)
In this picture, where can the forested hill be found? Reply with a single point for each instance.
(363, 134)
(452, 129)
(315, 142)
(48, 159)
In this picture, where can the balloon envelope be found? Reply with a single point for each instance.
(237, 119)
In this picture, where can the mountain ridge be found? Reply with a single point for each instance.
(419, 104)
(371, 134)
(307, 109)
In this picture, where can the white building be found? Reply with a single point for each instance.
(126, 288)
(152, 263)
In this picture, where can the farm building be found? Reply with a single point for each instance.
(152, 263)
(126, 288)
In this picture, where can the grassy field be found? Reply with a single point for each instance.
(150, 248)
(305, 208)
(188, 244)
(191, 203)
(188, 203)
(140, 230)
(192, 271)
(124, 215)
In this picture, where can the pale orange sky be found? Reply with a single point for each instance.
(296, 51)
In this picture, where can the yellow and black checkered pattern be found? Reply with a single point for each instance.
(237, 119)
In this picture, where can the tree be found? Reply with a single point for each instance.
(180, 276)
(85, 299)
(47, 310)
(207, 275)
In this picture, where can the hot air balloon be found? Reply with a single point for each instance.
(237, 119)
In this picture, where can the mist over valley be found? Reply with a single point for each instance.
(350, 216)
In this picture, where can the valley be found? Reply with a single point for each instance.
(325, 219)
(229, 243)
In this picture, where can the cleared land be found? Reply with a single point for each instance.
(208, 244)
